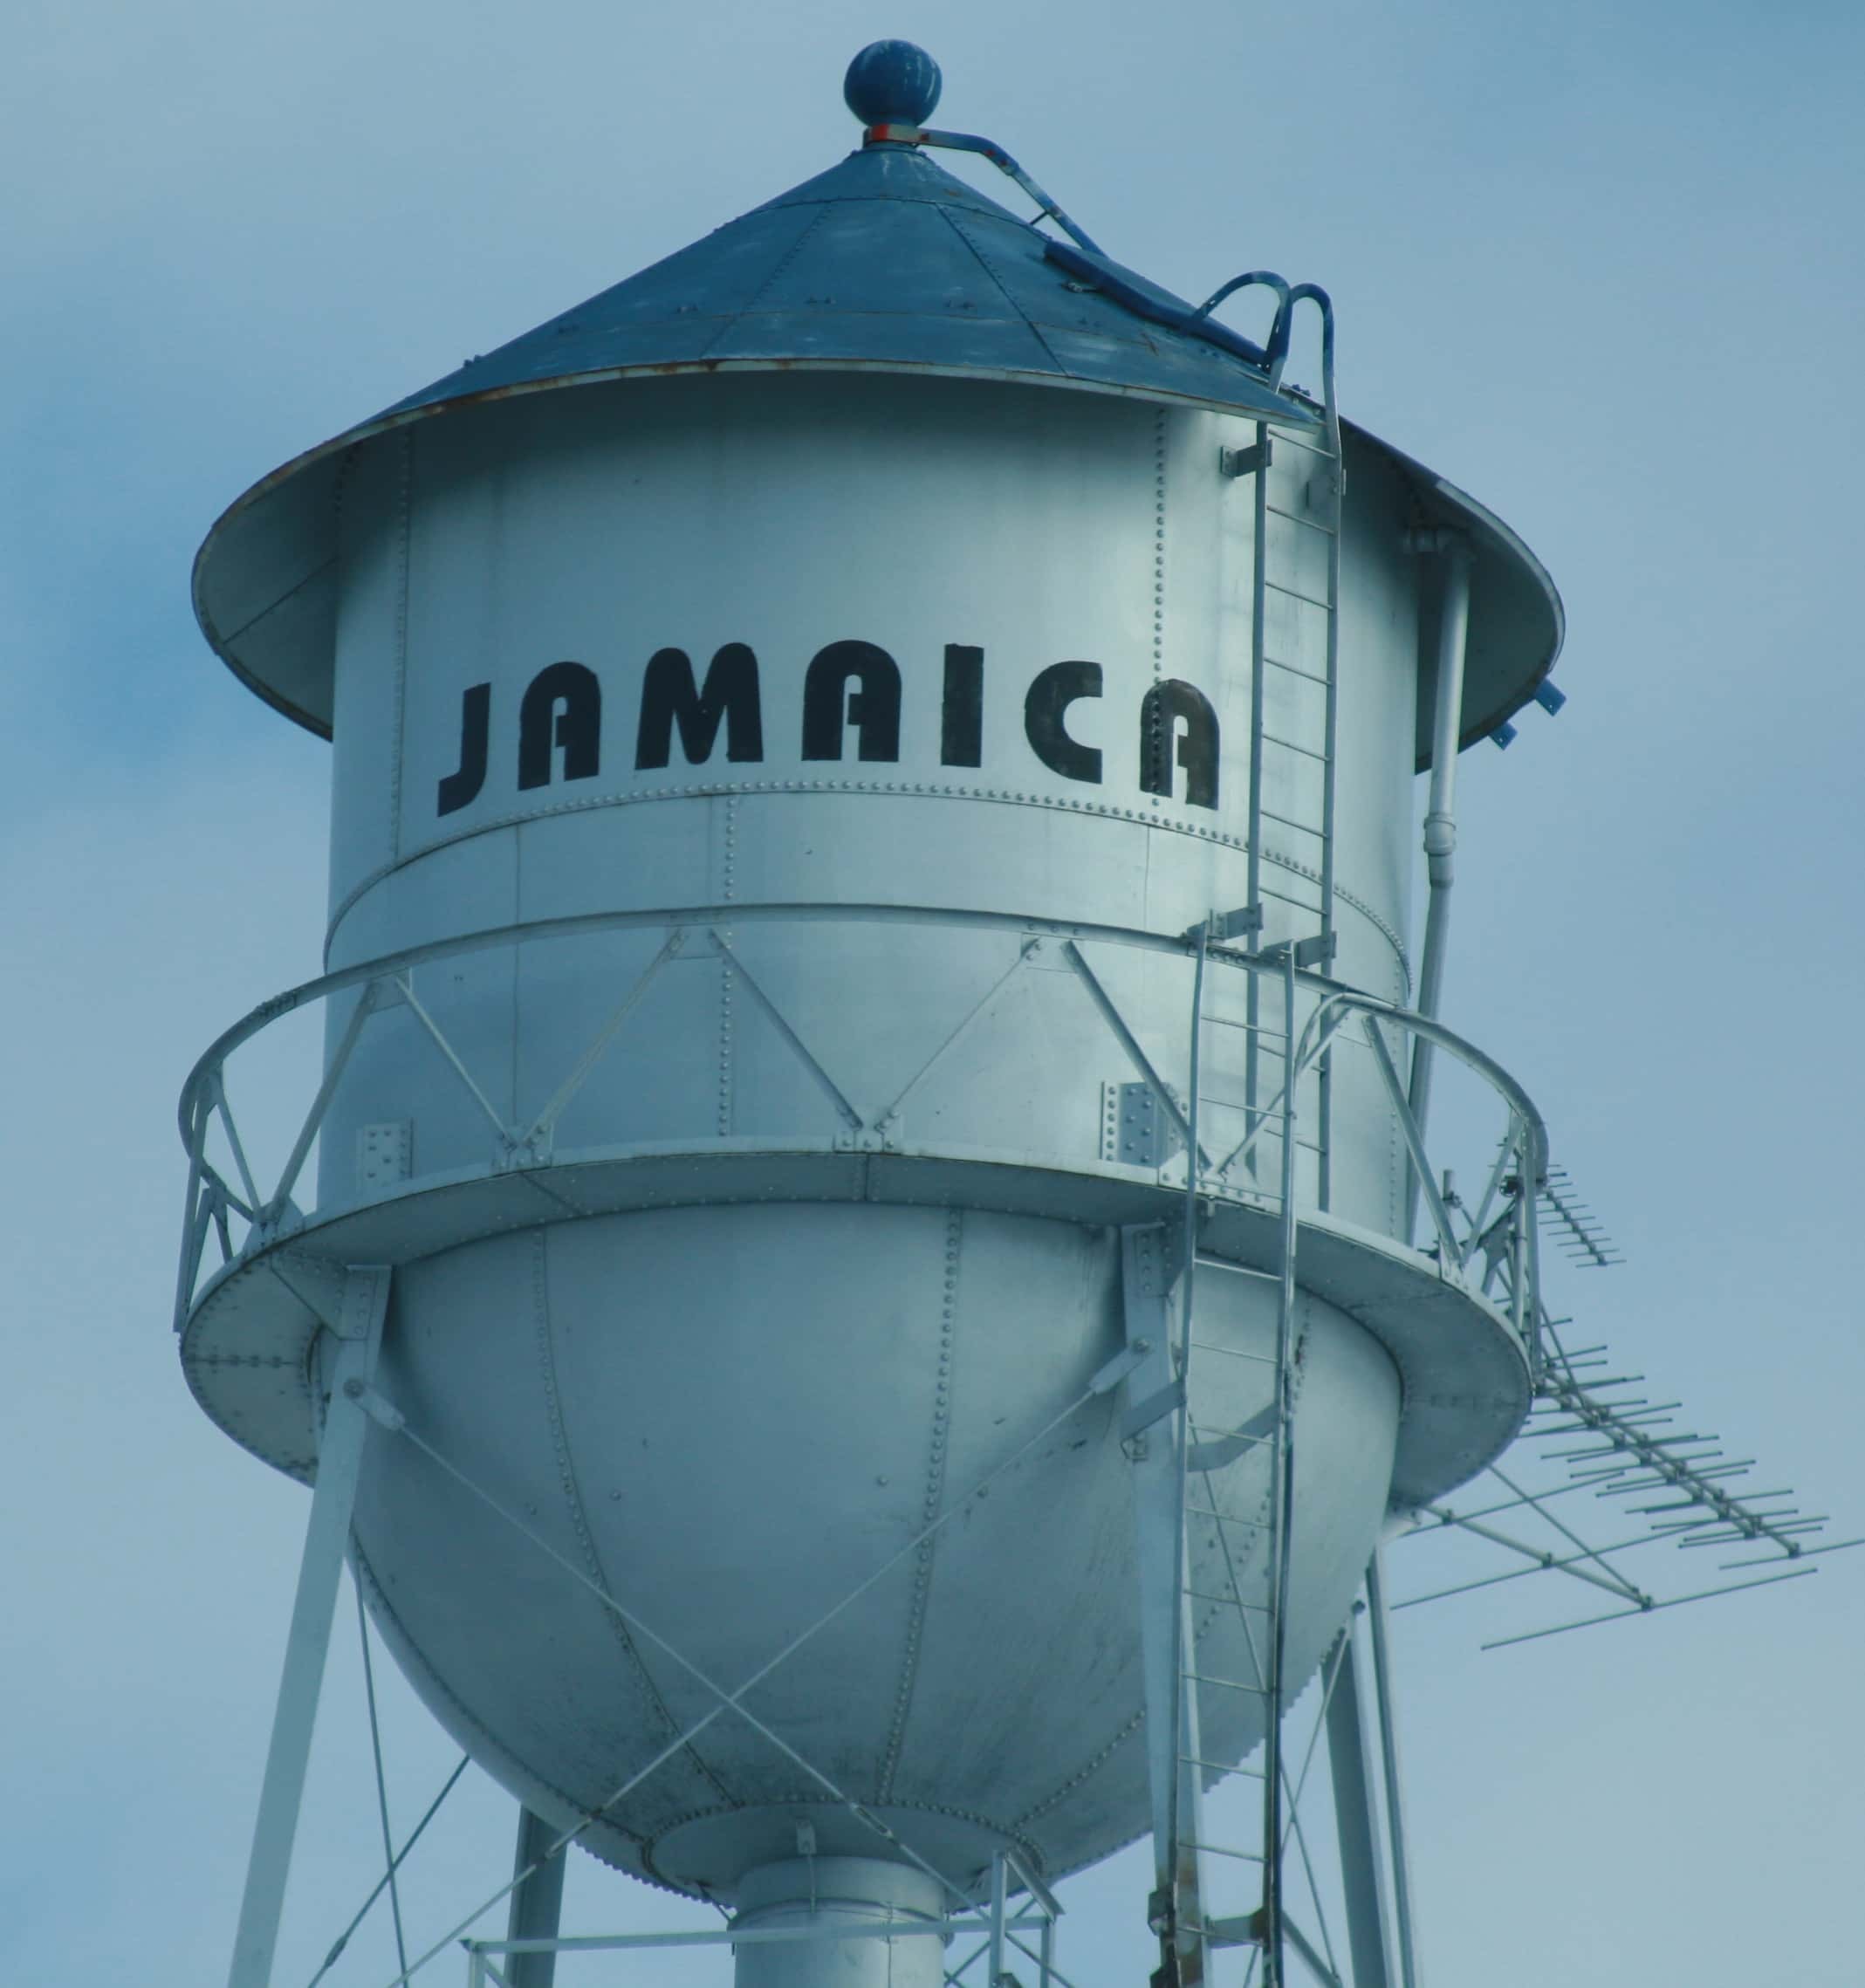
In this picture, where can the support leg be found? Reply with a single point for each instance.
(537, 1905)
(358, 1327)
(1357, 1818)
(1401, 1889)
(1153, 1433)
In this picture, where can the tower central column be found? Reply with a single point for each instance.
(841, 1895)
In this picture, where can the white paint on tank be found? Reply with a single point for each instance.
(603, 529)
(731, 1418)
(733, 1414)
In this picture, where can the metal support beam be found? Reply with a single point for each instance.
(1357, 1818)
(1282, 1510)
(537, 1901)
(1382, 1692)
(1156, 1452)
(358, 1330)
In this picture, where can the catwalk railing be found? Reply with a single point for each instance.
(1495, 1254)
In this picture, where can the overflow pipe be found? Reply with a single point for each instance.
(1440, 818)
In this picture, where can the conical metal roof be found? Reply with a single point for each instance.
(885, 263)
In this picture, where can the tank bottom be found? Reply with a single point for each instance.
(819, 1921)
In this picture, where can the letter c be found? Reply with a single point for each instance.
(1043, 708)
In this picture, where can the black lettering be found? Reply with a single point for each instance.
(961, 713)
(670, 697)
(1164, 709)
(562, 706)
(872, 707)
(1043, 709)
(463, 784)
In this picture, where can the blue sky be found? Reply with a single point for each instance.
(1600, 264)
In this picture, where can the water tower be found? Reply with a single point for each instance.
(871, 1275)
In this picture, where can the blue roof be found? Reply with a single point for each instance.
(886, 261)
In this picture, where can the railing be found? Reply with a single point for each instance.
(995, 1920)
(1492, 1243)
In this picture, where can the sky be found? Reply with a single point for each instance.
(1601, 264)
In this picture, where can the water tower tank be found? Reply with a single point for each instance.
(786, 714)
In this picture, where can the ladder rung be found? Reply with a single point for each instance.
(1219, 1767)
(1299, 517)
(1218, 1850)
(1230, 1601)
(1227, 1435)
(1231, 1352)
(1308, 447)
(1296, 594)
(1229, 1684)
(1282, 897)
(1295, 670)
(1263, 1032)
(1237, 1270)
(1288, 821)
(1227, 1517)
(1308, 751)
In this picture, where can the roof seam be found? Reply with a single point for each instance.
(1003, 289)
(777, 269)
(272, 607)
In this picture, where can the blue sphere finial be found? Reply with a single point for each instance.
(892, 82)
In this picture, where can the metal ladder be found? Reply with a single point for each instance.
(1297, 487)
(1211, 1561)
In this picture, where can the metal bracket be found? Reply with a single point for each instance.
(1108, 1378)
(1137, 1129)
(1245, 462)
(1156, 1406)
(1218, 926)
(385, 1154)
(1316, 951)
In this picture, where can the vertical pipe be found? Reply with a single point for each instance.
(1254, 848)
(1188, 1835)
(536, 1911)
(1259, 610)
(1281, 1502)
(1383, 1686)
(1440, 826)
(1330, 739)
(327, 1540)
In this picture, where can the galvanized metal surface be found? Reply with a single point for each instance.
(700, 646)
(754, 868)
